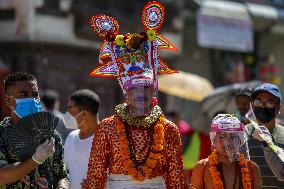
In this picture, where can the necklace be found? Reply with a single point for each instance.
(216, 176)
(155, 113)
(136, 156)
(140, 169)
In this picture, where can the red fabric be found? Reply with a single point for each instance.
(205, 150)
(203, 172)
(205, 147)
(184, 128)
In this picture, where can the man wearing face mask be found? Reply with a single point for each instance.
(242, 101)
(226, 167)
(139, 146)
(22, 96)
(82, 115)
(274, 155)
(243, 104)
(266, 100)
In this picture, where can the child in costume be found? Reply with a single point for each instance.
(138, 146)
(226, 167)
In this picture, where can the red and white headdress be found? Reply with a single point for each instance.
(227, 123)
(133, 58)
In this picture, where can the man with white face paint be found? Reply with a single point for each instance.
(139, 99)
(82, 115)
(139, 146)
(226, 167)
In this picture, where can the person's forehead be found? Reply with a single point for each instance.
(71, 103)
(242, 98)
(226, 134)
(25, 86)
(265, 96)
(140, 88)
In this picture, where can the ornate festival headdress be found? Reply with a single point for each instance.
(227, 123)
(133, 58)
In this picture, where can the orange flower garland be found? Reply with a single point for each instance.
(215, 174)
(140, 173)
(245, 172)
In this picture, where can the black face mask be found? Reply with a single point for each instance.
(265, 115)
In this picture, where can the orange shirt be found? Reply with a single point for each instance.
(105, 154)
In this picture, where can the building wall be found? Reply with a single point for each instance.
(4, 110)
(273, 45)
(194, 59)
(64, 69)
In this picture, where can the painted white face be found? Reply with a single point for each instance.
(227, 145)
(139, 99)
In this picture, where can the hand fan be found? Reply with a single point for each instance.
(29, 132)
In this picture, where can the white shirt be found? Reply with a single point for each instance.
(76, 158)
(120, 181)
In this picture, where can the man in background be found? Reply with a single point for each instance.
(273, 154)
(50, 99)
(83, 106)
(243, 104)
(266, 101)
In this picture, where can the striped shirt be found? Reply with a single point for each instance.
(266, 158)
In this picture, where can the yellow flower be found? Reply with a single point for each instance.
(119, 40)
(159, 128)
(158, 147)
(213, 158)
(244, 170)
(151, 34)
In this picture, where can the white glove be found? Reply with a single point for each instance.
(261, 133)
(44, 151)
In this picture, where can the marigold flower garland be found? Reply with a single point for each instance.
(215, 174)
(145, 171)
(245, 172)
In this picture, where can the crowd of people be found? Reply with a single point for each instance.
(137, 146)
(94, 155)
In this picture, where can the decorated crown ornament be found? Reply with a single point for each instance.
(226, 123)
(133, 58)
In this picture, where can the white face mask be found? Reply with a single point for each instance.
(70, 121)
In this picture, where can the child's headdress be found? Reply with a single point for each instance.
(232, 134)
(227, 123)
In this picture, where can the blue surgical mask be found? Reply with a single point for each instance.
(27, 106)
